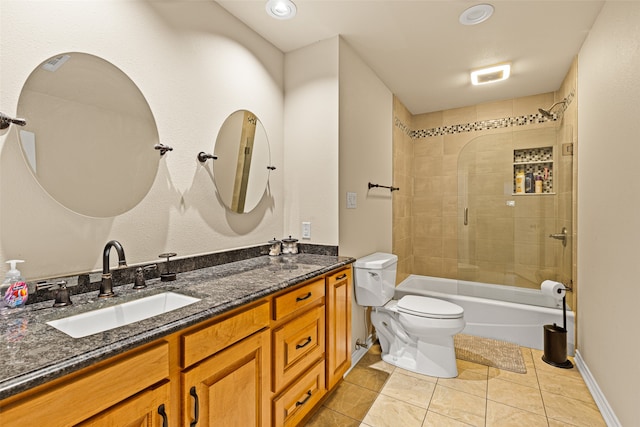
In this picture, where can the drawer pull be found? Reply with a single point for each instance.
(163, 414)
(196, 406)
(303, 401)
(306, 343)
(341, 277)
(307, 296)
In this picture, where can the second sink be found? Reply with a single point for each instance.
(92, 322)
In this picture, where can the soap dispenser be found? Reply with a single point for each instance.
(14, 290)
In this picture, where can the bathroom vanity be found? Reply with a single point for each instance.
(268, 339)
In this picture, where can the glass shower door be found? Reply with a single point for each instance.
(504, 237)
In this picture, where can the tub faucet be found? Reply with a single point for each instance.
(106, 286)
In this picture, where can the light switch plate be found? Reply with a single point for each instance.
(306, 230)
(352, 200)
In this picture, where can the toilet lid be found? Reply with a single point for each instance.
(429, 307)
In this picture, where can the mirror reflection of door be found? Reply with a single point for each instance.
(242, 170)
(245, 152)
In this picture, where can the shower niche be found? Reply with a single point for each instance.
(533, 167)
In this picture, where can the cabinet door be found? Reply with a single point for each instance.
(148, 408)
(230, 388)
(338, 312)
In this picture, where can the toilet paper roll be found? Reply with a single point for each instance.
(553, 289)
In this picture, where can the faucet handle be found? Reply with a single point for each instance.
(167, 276)
(140, 279)
(46, 285)
(63, 298)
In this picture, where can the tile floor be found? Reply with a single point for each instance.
(376, 394)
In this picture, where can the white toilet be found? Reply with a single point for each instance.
(415, 332)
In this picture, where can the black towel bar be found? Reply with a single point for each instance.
(383, 186)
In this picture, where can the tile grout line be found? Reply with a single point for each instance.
(535, 369)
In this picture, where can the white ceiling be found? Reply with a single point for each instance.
(422, 53)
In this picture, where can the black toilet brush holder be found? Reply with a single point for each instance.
(555, 342)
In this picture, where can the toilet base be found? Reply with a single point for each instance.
(434, 355)
(433, 359)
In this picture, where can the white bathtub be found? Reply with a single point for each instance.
(495, 311)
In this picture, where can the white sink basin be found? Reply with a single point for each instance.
(92, 322)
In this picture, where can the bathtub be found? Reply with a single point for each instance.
(496, 311)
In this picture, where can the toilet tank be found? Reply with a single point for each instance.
(375, 279)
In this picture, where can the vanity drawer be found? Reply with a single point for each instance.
(297, 345)
(296, 402)
(211, 339)
(298, 299)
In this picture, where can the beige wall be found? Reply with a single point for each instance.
(312, 139)
(195, 65)
(609, 206)
(365, 110)
(365, 156)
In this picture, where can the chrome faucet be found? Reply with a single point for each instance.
(106, 286)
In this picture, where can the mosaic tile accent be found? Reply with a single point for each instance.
(504, 122)
(541, 154)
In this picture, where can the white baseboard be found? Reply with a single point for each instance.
(605, 409)
(359, 353)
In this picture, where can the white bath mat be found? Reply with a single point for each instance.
(485, 351)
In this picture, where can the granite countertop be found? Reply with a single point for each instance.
(33, 353)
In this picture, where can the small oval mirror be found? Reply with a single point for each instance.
(241, 171)
(90, 135)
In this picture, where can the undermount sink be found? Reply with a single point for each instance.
(92, 322)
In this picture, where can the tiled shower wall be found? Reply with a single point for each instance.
(427, 148)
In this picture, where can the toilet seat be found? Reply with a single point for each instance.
(431, 308)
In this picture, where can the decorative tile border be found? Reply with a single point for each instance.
(504, 122)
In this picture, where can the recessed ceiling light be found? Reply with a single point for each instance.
(491, 74)
(476, 14)
(281, 9)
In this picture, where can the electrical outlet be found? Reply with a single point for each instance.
(306, 230)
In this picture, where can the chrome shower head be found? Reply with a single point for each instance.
(545, 113)
(548, 112)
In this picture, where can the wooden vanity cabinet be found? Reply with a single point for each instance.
(268, 363)
(128, 388)
(338, 308)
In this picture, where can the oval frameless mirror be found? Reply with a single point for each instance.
(90, 135)
(242, 170)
